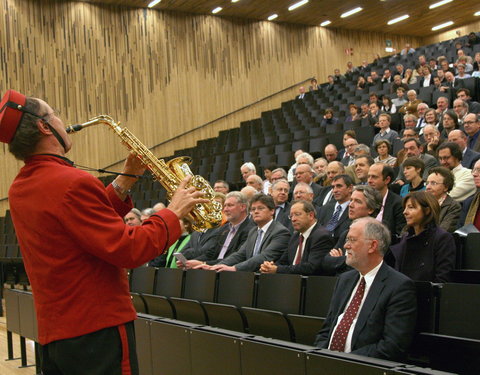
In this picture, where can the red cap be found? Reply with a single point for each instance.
(10, 114)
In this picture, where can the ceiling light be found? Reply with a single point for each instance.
(296, 5)
(350, 12)
(272, 17)
(216, 10)
(398, 19)
(446, 24)
(477, 14)
(235, 1)
(325, 23)
(153, 3)
(440, 3)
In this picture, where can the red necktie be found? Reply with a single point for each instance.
(298, 258)
(340, 335)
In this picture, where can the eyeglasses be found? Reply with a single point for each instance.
(475, 170)
(295, 214)
(469, 122)
(433, 183)
(353, 240)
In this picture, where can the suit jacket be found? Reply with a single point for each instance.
(317, 190)
(473, 107)
(326, 214)
(470, 157)
(274, 243)
(393, 215)
(322, 195)
(200, 243)
(449, 214)
(210, 255)
(317, 245)
(386, 321)
(283, 215)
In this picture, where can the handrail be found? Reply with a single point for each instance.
(221, 117)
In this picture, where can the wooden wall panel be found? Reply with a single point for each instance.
(451, 34)
(159, 73)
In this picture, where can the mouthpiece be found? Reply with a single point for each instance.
(74, 128)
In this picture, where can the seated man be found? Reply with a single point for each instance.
(334, 215)
(374, 308)
(265, 242)
(362, 165)
(133, 218)
(307, 247)
(279, 193)
(221, 242)
(471, 207)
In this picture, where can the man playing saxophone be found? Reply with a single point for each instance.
(75, 244)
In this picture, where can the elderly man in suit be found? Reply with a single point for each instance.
(334, 215)
(227, 239)
(373, 308)
(307, 247)
(265, 242)
(471, 124)
(279, 193)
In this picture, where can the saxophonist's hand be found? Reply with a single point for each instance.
(133, 166)
(185, 199)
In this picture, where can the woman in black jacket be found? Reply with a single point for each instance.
(425, 252)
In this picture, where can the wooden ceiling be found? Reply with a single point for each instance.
(374, 17)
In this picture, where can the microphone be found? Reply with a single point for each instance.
(74, 128)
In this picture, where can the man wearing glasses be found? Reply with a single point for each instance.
(471, 206)
(373, 308)
(471, 125)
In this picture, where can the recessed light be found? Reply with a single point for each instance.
(272, 17)
(235, 1)
(398, 19)
(446, 24)
(440, 3)
(153, 3)
(477, 14)
(350, 12)
(325, 23)
(296, 5)
(216, 10)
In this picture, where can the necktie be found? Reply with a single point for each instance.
(340, 335)
(258, 242)
(332, 224)
(226, 244)
(298, 258)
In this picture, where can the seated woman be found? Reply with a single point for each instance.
(353, 109)
(425, 252)
(361, 83)
(383, 148)
(413, 168)
(167, 259)
(409, 79)
(439, 182)
(387, 105)
(328, 118)
(431, 117)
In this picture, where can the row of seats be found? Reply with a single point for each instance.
(292, 308)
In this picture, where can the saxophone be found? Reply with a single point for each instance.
(169, 174)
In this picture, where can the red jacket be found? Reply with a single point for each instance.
(76, 247)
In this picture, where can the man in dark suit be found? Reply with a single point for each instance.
(265, 242)
(334, 215)
(469, 156)
(471, 124)
(227, 239)
(373, 308)
(307, 247)
(391, 214)
(279, 193)
(464, 94)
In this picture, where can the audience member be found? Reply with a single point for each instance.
(146, 213)
(362, 165)
(413, 169)
(469, 157)
(361, 83)
(313, 85)
(354, 115)
(425, 252)
(471, 206)
(387, 76)
(400, 100)
(409, 78)
(421, 109)
(450, 157)
(221, 186)
(464, 94)
(439, 183)
(307, 247)
(471, 125)
(133, 218)
(432, 138)
(267, 173)
(387, 105)
(413, 148)
(383, 326)
(249, 191)
(380, 176)
(279, 193)
(399, 70)
(278, 174)
(334, 168)
(320, 168)
(331, 152)
(228, 238)
(411, 106)
(407, 50)
(265, 242)
(328, 118)
(304, 173)
(256, 182)
(427, 78)
(383, 148)
(385, 132)
(247, 169)
(450, 123)
(334, 215)
(291, 171)
(349, 156)
(398, 84)
(301, 93)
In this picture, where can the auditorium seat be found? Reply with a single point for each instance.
(471, 255)
(318, 293)
(142, 280)
(305, 328)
